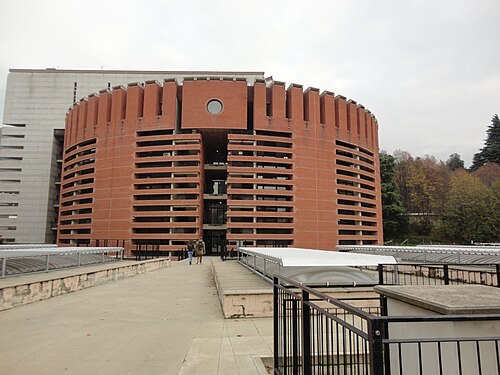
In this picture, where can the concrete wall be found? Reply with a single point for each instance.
(43, 286)
(454, 331)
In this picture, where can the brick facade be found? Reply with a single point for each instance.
(276, 167)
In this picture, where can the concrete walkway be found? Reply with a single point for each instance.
(162, 322)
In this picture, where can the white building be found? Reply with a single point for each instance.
(36, 102)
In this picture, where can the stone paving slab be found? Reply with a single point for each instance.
(164, 322)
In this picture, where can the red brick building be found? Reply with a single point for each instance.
(229, 160)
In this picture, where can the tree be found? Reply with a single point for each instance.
(438, 174)
(421, 197)
(471, 211)
(455, 162)
(423, 183)
(403, 161)
(421, 189)
(491, 150)
(489, 174)
(393, 213)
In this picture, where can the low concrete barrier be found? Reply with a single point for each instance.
(242, 294)
(27, 289)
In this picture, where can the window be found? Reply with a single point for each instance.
(214, 107)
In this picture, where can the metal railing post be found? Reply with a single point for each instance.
(446, 275)
(79, 259)
(380, 274)
(295, 338)
(102, 257)
(376, 335)
(4, 267)
(275, 322)
(497, 266)
(47, 263)
(306, 334)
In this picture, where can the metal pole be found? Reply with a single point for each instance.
(446, 275)
(102, 257)
(497, 266)
(306, 334)
(79, 259)
(47, 263)
(376, 335)
(295, 338)
(4, 267)
(276, 322)
(380, 274)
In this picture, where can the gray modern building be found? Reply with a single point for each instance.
(31, 138)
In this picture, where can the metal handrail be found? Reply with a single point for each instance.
(433, 254)
(49, 252)
(243, 259)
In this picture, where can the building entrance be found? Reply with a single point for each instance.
(215, 242)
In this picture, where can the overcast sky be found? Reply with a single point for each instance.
(429, 70)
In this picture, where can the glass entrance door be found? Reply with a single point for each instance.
(215, 241)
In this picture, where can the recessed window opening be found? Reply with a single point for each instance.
(214, 107)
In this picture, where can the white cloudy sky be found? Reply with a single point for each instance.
(429, 70)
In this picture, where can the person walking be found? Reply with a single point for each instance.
(200, 250)
(190, 250)
(223, 253)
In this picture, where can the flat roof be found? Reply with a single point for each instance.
(117, 71)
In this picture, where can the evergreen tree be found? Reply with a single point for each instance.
(455, 162)
(393, 213)
(491, 150)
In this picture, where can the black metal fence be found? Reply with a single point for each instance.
(139, 250)
(438, 274)
(315, 333)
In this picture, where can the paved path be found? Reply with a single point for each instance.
(163, 322)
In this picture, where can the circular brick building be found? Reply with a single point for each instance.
(224, 159)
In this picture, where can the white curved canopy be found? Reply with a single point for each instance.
(292, 256)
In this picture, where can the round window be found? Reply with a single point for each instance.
(214, 107)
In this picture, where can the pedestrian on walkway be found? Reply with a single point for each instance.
(190, 250)
(200, 250)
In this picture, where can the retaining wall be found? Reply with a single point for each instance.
(18, 291)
